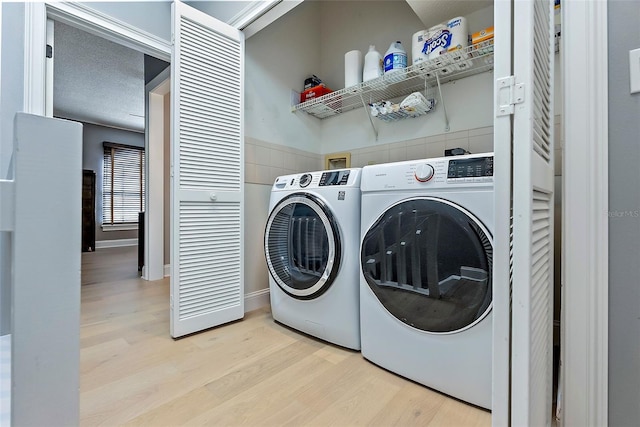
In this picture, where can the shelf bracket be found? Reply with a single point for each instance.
(447, 128)
(368, 113)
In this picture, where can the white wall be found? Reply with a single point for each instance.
(353, 25)
(256, 199)
(278, 59)
(624, 221)
(12, 88)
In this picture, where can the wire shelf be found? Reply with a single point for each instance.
(415, 105)
(451, 66)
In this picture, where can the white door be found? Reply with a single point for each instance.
(523, 268)
(207, 72)
(532, 315)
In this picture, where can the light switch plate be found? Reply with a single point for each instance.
(634, 70)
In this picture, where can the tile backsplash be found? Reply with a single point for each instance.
(475, 141)
(265, 161)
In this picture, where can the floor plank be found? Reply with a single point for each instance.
(250, 372)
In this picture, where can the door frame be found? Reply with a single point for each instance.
(585, 223)
(154, 238)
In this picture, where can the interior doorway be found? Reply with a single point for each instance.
(106, 75)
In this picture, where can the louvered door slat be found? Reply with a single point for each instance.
(200, 66)
(197, 280)
(532, 284)
(206, 112)
(220, 266)
(224, 138)
(207, 269)
(193, 91)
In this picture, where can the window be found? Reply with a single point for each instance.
(123, 184)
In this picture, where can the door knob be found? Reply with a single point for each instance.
(213, 197)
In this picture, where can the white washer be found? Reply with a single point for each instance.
(426, 267)
(312, 246)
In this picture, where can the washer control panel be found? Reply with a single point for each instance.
(340, 177)
(319, 179)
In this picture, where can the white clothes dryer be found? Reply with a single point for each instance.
(312, 241)
(426, 267)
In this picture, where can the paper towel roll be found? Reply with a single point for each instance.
(436, 41)
(417, 46)
(459, 36)
(352, 68)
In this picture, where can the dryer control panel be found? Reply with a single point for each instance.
(475, 167)
(438, 173)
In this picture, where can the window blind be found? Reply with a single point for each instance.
(123, 184)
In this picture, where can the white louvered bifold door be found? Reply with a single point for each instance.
(207, 172)
(532, 317)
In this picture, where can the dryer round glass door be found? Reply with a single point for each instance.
(429, 263)
(302, 246)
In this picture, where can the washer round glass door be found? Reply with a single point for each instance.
(429, 263)
(302, 246)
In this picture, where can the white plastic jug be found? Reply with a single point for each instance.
(372, 65)
(396, 58)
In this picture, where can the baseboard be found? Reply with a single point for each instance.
(101, 244)
(256, 300)
(167, 270)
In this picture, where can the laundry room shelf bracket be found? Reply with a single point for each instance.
(447, 128)
(366, 111)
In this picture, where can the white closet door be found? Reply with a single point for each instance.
(207, 72)
(532, 315)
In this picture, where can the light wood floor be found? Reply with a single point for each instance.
(251, 372)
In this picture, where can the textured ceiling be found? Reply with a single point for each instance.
(97, 81)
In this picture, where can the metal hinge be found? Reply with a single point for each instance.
(508, 94)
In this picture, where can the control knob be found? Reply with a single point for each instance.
(305, 180)
(424, 172)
